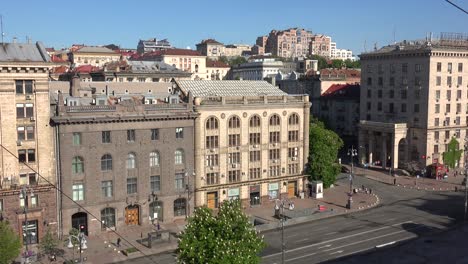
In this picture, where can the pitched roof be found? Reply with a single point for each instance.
(25, 52)
(175, 52)
(210, 41)
(86, 69)
(348, 91)
(216, 64)
(90, 49)
(201, 88)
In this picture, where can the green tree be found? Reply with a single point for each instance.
(324, 145)
(237, 60)
(228, 237)
(10, 244)
(453, 153)
(352, 64)
(49, 243)
(224, 59)
(337, 63)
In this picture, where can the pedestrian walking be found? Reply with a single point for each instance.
(118, 242)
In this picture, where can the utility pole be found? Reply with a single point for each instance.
(466, 178)
(352, 153)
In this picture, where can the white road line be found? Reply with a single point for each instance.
(386, 244)
(335, 239)
(308, 255)
(338, 252)
(302, 240)
(331, 233)
(325, 246)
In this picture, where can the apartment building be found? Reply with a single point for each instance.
(414, 100)
(217, 70)
(211, 48)
(320, 45)
(292, 42)
(94, 56)
(27, 146)
(152, 44)
(251, 141)
(125, 154)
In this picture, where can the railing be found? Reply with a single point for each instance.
(90, 108)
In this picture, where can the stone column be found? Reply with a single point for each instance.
(361, 150)
(383, 156)
(371, 147)
(395, 141)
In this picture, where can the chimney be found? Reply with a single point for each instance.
(75, 86)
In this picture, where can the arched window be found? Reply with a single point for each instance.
(77, 165)
(234, 122)
(293, 119)
(154, 159)
(254, 121)
(179, 207)
(131, 161)
(108, 217)
(106, 162)
(212, 123)
(179, 156)
(275, 120)
(196, 67)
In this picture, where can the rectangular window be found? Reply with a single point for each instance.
(458, 108)
(436, 148)
(439, 66)
(404, 67)
(436, 135)
(437, 108)
(417, 81)
(436, 122)
(254, 138)
(459, 80)
(447, 108)
(275, 137)
(274, 171)
(417, 67)
(380, 81)
(25, 133)
(392, 81)
(293, 153)
(293, 169)
(179, 132)
(416, 108)
(131, 135)
(438, 81)
(234, 176)
(403, 94)
(293, 136)
(106, 187)
(274, 154)
(234, 140)
(369, 93)
(449, 67)
(234, 158)
(379, 93)
(24, 87)
(24, 110)
(449, 95)
(392, 68)
(369, 106)
(212, 178)
(460, 67)
(417, 94)
(179, 181)
(31, 155)
(212, 142)
(254, 156)
(155, 183)
(447, 134)
(255, 173)
(106, 136)
(212, 160)
(76, 139)
(131, 185)
(449, 81)
(437, 94)
(379, 106)
(78, 192)
(154, 134)
(403, 108)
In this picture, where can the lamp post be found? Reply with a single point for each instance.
(279, 206)
(352, 153)
(24, 195)
(82, 244)
(153, 198)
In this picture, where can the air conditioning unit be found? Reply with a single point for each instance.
(234, 165)
(294, 158)
(19, 143)
(28, 97)
(275, 161)
(212, 150)
(275, 144)
(437, 99)
(255, 146)
(237, 148)
(32, 118)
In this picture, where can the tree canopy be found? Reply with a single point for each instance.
(324, 145)
(49, 243)
(228, 237)
(233, 60)
(453, 153)
(10, 244)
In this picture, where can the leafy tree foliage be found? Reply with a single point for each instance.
(228, 237)
(49, 243)
(10, 244)
(337, 64)
(237, 60)
(324, 145)
(453, 153)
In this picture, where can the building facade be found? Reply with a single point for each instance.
(125, 158)
(256, 69)
(292, 42)
(413, 101)
(152, 45)
(320, 45)
(94, 56)
(211, 48)
(217, 70)
(251, 143)
(27, 146)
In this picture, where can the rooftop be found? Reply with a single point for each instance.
(91, 49)
(200, 88)
(23, 52)
(210, 41)
(216, 64)
(346, 91)
(173, 52)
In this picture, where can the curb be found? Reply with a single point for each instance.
(412, 187)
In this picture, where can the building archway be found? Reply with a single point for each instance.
(132, 215)
(80, 222)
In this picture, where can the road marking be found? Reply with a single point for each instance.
(324, 246)
(336, 239)
(331, 233)
(338, 252)
(302, 240)
(386, 244)
(308, 255)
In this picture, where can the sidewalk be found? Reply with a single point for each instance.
(452, 183)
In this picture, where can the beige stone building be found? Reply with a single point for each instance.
(211, 48)
(414, 100)
(217, 70)
(251, 141)
(27, 146)
(236, 50)
(95, 56)
(292, 42)
(320, 45)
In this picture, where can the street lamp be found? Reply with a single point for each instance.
(279, 205)
(352, 153)
(152, 198)
(24, 195)
(82, 244)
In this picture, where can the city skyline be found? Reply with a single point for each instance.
(124, 25)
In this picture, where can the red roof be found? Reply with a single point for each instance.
(54, 58)
(216, 64)
(350, 91)
(348, 72)
(86, 69)
(60, 69)
(175, 52)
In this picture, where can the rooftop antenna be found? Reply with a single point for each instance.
(1, 27)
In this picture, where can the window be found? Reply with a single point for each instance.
(437, 94)
(234, 176)
(369, 81)
(212, 160)
(254, 138)
(30, 232)
(417, 94)
(449, 67)
(234, 122)
(403, 94)
(369, 106)
(379, 93)
(449, 95)
(180, 181)
(24, 87)
(179, 132)
(179, 156)
(416, 108)
(25, 132)
(255, 173)
(417, 67)
(391, 93)
(254, 156)
(436, 148)
(274, 171)
(212, 178)
(293, 136)
(212, 142)
(154, 134)
(155, 183)
(106, 187)
(437, 108)
(77, 165)
(436, 122)
(293, 168)
(76, 139)
(460, 67)
(131, 161)
(275, 120)
(180, 204)
(459, 80)
(392, 68)
(154, 159)
(274, 137)
(131, 185)
(447, 134)
(234, 158)
(108, 217)
(293, 119)
(380, 81)
(404, 67)
(78, 192)
(26, 155)
(436, 135)
(417, 81)
(447, 108)
(274, 154)
(24, 110)
(212, 123)
(131, 135)
(106, 136)
(403, 108)
(439, 66)
(293, 153)
(392, 81)
(458, 108)
(369, 93)
(254, 121)
(379, 106)
(438, 81)
(106, 162)
(234, 140)
(449, 81)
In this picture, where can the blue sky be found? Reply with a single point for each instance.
(185, 22)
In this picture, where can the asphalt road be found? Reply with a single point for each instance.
(403, 214)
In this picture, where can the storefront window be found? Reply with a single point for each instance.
(30, 232)
(273, 190)
(233, 194)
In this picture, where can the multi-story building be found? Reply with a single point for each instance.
(152, 45)
(320, 45)
(293, 42)
(94, 56)
(184, 59)
(27, 146)
(211, 48)
(414, 101)
(342, 54)
(236, 50)
(256, 69)
(217, 70)
(125, 157)
(251, 141)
